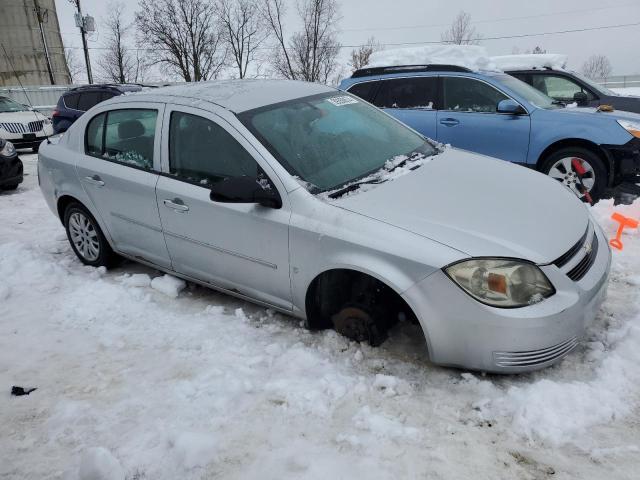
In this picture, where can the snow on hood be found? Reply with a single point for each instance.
(530, 61)
(480, 206)
(472, 57)
(24, 116)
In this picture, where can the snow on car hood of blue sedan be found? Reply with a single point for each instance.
(480, 206)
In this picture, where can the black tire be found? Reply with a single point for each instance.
(105, 255)
(598, 169)
(35, 148)
(10, 187)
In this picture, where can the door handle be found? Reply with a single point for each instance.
(94, 180)
(176, 204)
(449, 122)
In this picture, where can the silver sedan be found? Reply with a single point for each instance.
(313, 202)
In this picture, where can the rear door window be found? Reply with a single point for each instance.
(88, 100)
(470, 95)
(416, 92)
(123, 136)
(106, 96)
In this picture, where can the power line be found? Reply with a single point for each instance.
(493, 20)
(433, 42)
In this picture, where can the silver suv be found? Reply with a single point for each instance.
(313, 202)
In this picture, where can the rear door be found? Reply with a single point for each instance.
(469, 120)
(119, 173)
(412, 100)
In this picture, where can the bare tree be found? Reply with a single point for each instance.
(311, 53)
(243, 29)
(76, 68)
(182, 35)
(119, 63)
(360, 56)
(597, 67)
(461, 32)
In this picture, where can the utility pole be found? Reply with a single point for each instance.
(40, 18)
(81, 23)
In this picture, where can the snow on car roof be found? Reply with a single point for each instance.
(238, 95)
(531, 61)
(472, 57)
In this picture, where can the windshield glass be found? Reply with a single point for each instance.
(526, 91)
(595, 86)
(8, 105)
(329, 140)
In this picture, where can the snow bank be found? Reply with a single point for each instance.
(531, 61)
(470, 56)
(628, 92)
(99, 464)
(169, 285)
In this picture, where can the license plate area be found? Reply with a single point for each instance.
(28, 136)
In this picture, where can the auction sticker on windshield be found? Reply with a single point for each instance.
(342, 100)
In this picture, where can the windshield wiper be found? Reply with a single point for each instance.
(354, 186)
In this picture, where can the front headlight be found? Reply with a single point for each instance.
(502, 283)
(8, 150)
(632, 127)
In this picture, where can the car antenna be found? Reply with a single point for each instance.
(24, 90)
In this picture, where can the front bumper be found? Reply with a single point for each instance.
(626, 160)
(462, 332)
(27, 140)
(11, 171)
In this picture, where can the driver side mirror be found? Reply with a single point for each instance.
(246, 190)
(581, 98)
(510, 107)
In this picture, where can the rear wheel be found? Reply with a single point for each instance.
(86, 238)
(569, 164)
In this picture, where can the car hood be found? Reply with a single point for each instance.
(615, 115)
(21, 117)
(478, 205)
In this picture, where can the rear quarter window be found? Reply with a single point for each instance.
(88, 100)
(364, 90)
(71, 100)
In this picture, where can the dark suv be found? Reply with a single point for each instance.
(568, 87)
(76, 101)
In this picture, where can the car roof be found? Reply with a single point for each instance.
(124, 87)
(234, 95)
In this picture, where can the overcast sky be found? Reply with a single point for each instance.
(398, 21)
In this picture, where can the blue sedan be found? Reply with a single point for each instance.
(596, 153)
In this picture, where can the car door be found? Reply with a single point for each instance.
(411, 100)
(469, 120)
(119, 172)
(241, 247)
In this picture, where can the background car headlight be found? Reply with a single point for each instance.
(7, 150)
(632, 127)
(502, 283)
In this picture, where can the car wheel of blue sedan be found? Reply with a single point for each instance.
(578, 169)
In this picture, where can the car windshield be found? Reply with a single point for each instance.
(594, 86)
(8, 105)
(330, 140)
(526, 91)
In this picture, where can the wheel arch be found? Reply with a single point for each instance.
(581, 143)
(349, 272)
(65, 200)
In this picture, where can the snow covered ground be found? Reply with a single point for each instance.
(631, 91)
(133, 383)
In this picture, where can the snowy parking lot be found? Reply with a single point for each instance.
(134, 382)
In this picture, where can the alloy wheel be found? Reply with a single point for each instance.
(564, 172)
(84, 236)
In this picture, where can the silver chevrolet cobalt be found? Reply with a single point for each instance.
(310, 201)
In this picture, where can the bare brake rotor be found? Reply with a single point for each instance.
(357, 324)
